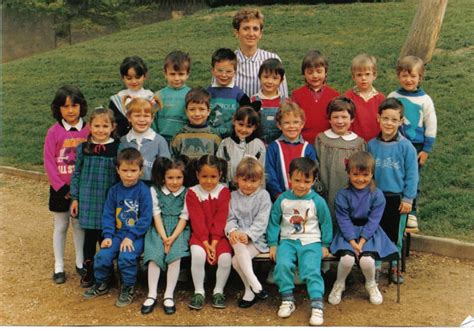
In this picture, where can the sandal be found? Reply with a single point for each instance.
(169, 310)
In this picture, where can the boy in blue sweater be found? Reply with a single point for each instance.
(396, 170)
(126, 218)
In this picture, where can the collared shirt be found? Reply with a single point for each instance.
(367, 97)
(215, 84)
(77, 127)
(395, 137)
(300, 140)
(264, 97)
(132, 135)
(347, 137)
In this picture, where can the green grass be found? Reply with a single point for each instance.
(339, 31)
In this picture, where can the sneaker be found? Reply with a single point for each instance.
(218, 300)
(286, 309)
(316, 317)
(336, 294)
(96, 290)
(197, 301)
(394, 277)
(412, 221)
(375, 296)
(59, 277)
(127, 293)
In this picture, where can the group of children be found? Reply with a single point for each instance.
(225, 173)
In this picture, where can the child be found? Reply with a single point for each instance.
(248, 28)
(140, 113)
(420, 123)
(134, 73)
(208, 207)
(196, 138)
(225, 95)
(171, 118)
(271, 74)
(243, 142)
(335, 145)
(290, 120)
(396, 171)
(299, 232)
(68, 108)
(365, 97)
(125, 220)
(246, 226)
(315, 95)
(94, 174)
(167, 241)
(359, 208)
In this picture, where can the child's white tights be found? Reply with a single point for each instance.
(242, 263)
(61, 224)
(154, 276)
(198, 266)
(367, 266)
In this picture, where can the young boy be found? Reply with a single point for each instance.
(365, 97)
(196, 138)
(140, 113)
(290, 120)
(171, 118)
(271, 74)
(315, 95)
(126, 218)
(225, 95)
(396, 170)
(299, 232)
(420, 123)
(248, 28)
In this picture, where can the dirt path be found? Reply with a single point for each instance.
(438, 291)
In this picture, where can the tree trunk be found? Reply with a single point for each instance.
(425, 29)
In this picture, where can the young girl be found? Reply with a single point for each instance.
(243, 141)
(133, 72)
(247, 225)
(68, 108)
(208, 207)
(166, 242)
(94, 174)
(359, 208)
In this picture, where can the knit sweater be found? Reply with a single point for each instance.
(195, 141)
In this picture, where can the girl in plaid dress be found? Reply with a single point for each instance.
(167, 241)
(94, 174)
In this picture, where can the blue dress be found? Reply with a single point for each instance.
(358, 214)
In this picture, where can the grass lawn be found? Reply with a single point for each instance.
(339, 31)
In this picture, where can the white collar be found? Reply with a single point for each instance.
(204, 195)
(109, 141)
(148, 134)
(231, 84)
(141, 93)
(166, 191)
(264, 97)
(348, 137)
(78, 126)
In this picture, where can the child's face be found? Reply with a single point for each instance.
(248, 185)
(101, 128)
(176, 79)
(224, 72)
(390, 120)
(340, 122)
(249, 33)
(409, 81)
(208, 177)
(360, 179)
(197, 113)
(129, 173)
(140, 120)
(132, 81)
(300, 184)
(70, 112)
(243, 128)
(291, 126)
(174, 179)
(364, 78)
(315, 77)
(270, 82)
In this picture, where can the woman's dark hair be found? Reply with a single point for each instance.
(134, 62)
(60, 99)
(248, 113)
(163, 164)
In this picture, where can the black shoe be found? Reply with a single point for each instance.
(148, 309)
(127, 293)
(247, 304)
(169, 310)
(59, 277)
(80, 271)
(262, 295)
(87, 277)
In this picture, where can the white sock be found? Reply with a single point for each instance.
(224, 264)
(61, 223)
(367, 265)
(242, 263)
(344, 269)
(78, 235)
(198, 263)
(171, 280)
(153, 278)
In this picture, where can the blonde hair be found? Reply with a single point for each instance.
(289, 107)
(250, 168)
(247, 14)
(142, 104)
(364, 61)
(411, 63)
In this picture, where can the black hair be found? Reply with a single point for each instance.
(304, 165)
(214, 162)
(162, 164)
(60, 99)
(130, 155)
(391, 103)
(224, 54)
(341, 104)
(178, 61)
(272, 65)
(249, 114)
(134, 62)
(198, 95)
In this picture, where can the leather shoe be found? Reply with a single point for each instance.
(148, 309)
(262, 295)
(59, 277)
(169, 310)
(247, 304)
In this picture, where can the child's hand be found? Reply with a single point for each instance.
(404, 208)
(422, 157)
(243, 238)
(210, 252)
(74, 208)
(355, 246)
(168, 243)
(325, 252)
(234, 237)
(106, 243)
(67, 196)
(126, 245)
(272, 253)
